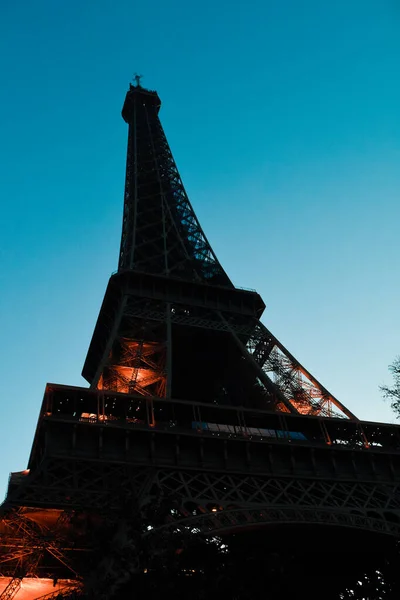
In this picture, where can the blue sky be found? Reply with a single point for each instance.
(283, 117)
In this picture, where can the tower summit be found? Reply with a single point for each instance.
(160, 231)
(198, 426)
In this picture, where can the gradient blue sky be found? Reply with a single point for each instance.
(283, 116)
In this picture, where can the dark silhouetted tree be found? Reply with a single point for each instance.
(392, 393)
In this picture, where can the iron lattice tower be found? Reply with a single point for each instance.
(198, 426)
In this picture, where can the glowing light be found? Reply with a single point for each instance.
(303, 407)
(86, 415)
(127, 380)
(140, 365)
(33, 587)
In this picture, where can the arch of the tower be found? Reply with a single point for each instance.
(222, 503)
(216, 522)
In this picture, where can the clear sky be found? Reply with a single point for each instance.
(283, 117)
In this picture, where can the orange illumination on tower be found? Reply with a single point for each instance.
(136, 367)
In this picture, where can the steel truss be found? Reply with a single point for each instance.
(288, 385)
(93, 485)
(205, 504)
(12, 588)
(239, 519)
(160, 232)
(186, 502)
(212, 495)
(29, 540)
(302, 392)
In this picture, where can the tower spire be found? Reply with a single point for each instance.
(160, 231)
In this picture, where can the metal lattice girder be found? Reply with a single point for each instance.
(223, 490)
(296, 390)
(302, 392)
(27, 562)
(229, 521)
(64, 592)
(87, 460)
(71, 483)
(190, 316)
(160, 233)
(27, 534)
(12, 589)
(17, 554)
(136, 366)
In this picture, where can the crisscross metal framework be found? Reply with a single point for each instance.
(160, 231)
(198, 420)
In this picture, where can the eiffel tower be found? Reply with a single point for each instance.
(203, 458)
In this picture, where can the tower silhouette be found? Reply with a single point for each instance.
(201, 440)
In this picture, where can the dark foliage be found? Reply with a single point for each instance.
(393, 393)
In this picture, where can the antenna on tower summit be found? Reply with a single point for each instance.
(137, 79)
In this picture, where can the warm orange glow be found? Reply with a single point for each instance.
(32, 587)
(303, 407)
(100, 385)
(140, 376)
(130, 379)
(136, 366)
(90, 416)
